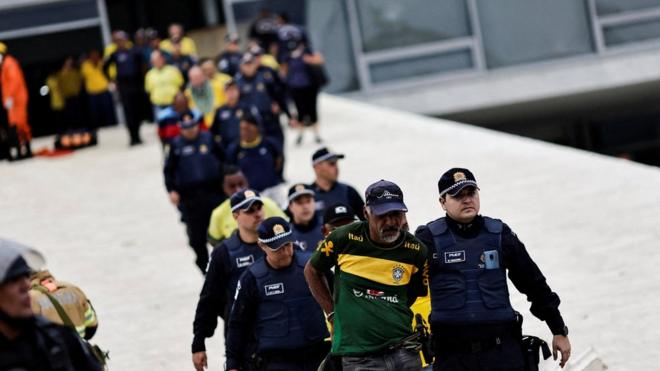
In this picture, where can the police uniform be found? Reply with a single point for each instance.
(45, 289)
(258, 160)
(40, 345)
(226, 123)
(276, 307)
(472, 320)
(339, 193)
(130, 86)
(307, 235)
(261, 90)
(193, 168)
(228, 62)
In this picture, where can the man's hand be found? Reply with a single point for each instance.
(175, 198)
(9, 103)
(199, 360)
(275, 108)
(560, 343)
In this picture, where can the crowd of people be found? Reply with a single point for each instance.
(321, 278)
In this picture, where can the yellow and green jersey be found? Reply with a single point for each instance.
(373, 289)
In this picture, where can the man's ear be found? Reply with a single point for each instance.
(365, 211)
(442, 203)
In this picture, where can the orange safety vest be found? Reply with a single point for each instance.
(13, 87)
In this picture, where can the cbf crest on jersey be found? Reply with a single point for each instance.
(397, 273)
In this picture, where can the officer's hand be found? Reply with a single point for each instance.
(561, 343)
(275, 108)
(9, 103)
(199, 360)
(175, 198)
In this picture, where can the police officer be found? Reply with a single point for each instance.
(193, 178)
(306, 222)
(228, 261)
(472, 320)
(260, 89)
(335, 216)
(227, 119)
(128, 60)
(274, 303)
(230, 59)
(29, 342)
(327, 188)
(260, 158)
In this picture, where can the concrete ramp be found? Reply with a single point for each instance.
(102, 218)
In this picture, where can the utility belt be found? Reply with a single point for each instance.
(318, 350)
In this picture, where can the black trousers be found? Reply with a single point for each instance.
(196, 207)
(130, 94)
(306, 359)
(305, 100)
(460, 356)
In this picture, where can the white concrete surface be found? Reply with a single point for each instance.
(102, 218)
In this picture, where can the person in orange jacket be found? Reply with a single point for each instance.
(15, 100)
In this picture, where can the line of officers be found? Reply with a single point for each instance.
(350, 303)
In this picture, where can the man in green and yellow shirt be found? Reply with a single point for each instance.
(380, 269)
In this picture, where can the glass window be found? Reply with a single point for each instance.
(517, 32)
(49, 13)
(617, 35)
(394, 23)
(607, 7)
(419, 66)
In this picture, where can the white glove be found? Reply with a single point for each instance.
(9, 103)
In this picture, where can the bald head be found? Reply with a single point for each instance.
(196, 76)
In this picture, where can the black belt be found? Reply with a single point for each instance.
(468, 346)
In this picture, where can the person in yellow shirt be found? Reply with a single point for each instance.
(217, 79)
(222, 222)
(177, 36)
(101, 106)
(56, 102)
(162, 82)
(70, 83)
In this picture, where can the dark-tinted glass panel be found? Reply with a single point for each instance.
(49, 13)
(607, 7)
(618, 35)
(420, 66)
(389, 24)
(516, 32)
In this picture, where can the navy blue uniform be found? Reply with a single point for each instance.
(340, 193)
(228, 261)
(229, 62)
(308, 236)
(469, 295)
(259, 162)
(276, 308)
(261, 91)
(131, 87)
(226, 123)
(194, 170)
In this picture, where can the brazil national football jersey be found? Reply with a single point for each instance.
(373, 287)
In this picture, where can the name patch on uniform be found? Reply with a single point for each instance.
(454, 257)
(274, 289)
(244, 261)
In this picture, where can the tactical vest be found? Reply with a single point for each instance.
(309, 239)
(258, 165)
(468, 281)
(197, 162)
(337, 195)
(288, 317)
(241, 256)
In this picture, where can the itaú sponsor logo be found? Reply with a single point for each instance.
(371, 294)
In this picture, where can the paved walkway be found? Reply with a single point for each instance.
(103, 220)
